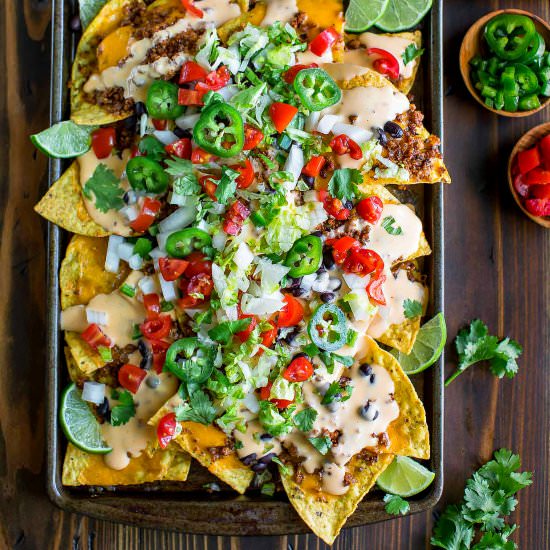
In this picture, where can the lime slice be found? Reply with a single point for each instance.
(401, 15)
(79, 424)
(405, 477)
(64, 140)
(427, 347)
(89, 9)
(363, 14)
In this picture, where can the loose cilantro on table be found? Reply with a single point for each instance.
(411, 52)
(104, 188)
(388, 223)
(124, 409)
(223, 332)
(489, 497)
(305, 418)
(475, 344)
(396, 505)
(412, 308)
(343, 183)
(322, 443)
(198, 409)
(227, 185)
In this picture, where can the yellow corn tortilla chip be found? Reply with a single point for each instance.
(63, 205)
(196, 438)
(81, 468)
(326, 514)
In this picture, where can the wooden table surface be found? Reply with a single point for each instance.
(497, 265)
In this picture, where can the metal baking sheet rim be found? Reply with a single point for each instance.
(201, 513)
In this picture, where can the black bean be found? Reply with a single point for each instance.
(153, 382)
(328, 297)
(322, 269)
(382, 138)
(266, 459)
(299, 291)
(393, 129)
(328, 260)
(104, 411)
(126, 197)
(140, 108)
(249, 459)
(259, 467)
(266, 437)
(294, 282)
(291, 336)
(308, 180)
(182, 133)
(317, 233)
(348, 204)
(333, 407)
(298, 355)
(75, 24)
(130, 122)
(369, 411)
(146, 355)
(366, 369)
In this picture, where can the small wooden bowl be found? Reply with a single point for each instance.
(525, 142)
(472, 45)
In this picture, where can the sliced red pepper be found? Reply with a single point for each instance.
(528, 159)
(146, 217)
(292, 312)
(166, 429)
(159, 124)
(172, 268)
(200, 156)
(252, 137)
(189, 6)
(152, 305)
(246, 174)
(299, 370)
(130, 377)
(540, 191)
(370, 209)
(159, 348)
(386, 63)
(191, 71)
(314, 166)
(323, 41)
(279, 403)
(375, 291)
(103, 141)
(180, 148)
(544, 146)
(234, 218)
(156, 329)
(537, 176)
(190, 97)
(344, 145)
(281, 114)
(291, 73)
(95, 337)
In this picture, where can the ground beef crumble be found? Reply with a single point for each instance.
(219, 452)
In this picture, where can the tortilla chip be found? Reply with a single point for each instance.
(195, 439)
(80, 468)
(326, 514)
(63, 205)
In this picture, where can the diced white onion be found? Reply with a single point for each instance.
(187, 120)
(135, 262)
(354, 281)
(93, 392)
(143, 124)
(326, 123)
(168, 289)
(228, 92)
(311, 196)
(97, 317)
(359, 135)
(243, 257)
(125, 251)
(179, 219)
(312, 120)
(295, 161)
(308, 281)
(161, 239)
(112, 259)
(131, 196)
(147, 285)
(157, 253)
(219, 240)
(166, 137)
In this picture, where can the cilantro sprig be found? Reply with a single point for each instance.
(411, 52)
(475, 344)
(412, 308)
(198, 409)
(104, 188)
(124, 409)
(343, 184)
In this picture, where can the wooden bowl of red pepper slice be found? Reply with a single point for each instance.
(474, 45)
(529, 168)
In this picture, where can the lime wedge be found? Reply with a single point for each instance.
(363, 14)
(405, 477)
(427, 347)
(89, 9)
(79, 424)
(64, 140)
(401, 15)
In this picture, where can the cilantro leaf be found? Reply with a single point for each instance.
(411, 52)
(124, 409)
(494, 541)
(282, 467)
(396, 505)
(104, 188)
(152, 148)
(451, 531)
(337, 392)
(305, 418)
(412, 308)
(388, 224)
(504, 362)
(322, 443)
(185, 182)
(227, 185)
(223, 332)
(343, 183)
(198, 409)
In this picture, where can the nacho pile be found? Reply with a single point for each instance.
(238, 266)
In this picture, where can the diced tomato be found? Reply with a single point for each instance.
(159, 348)
(268, 337)
(135, 152)
(520, 186)
(172, 268)
(166, 429)
(149, 209)
(344, 145)
(386, 63)
(246, 174)
(341, 248)
(281, 114)
(200, 284)
(189, 6)
(180, 148)
(188, 302)
(208, 185)
(159, 124)
(191, 71)
(538, 207)
(95, 337)
(540, 191)
(244, 335)
(323, 41)
(528, 159)
(544, 146)
(252, 137)
(190, 97)
(375, 291)
(198, 263)
(333, 206)
(103, 141)
(152, 305)
(370, 209)
(314, 166)
(290, 74)
(216, 80)
(130, 377)
(234, 218)
(292, 312)
(362, 261)
(279, 403)
(156, 329)
(299, 370)
(537, 176)
(200, 156)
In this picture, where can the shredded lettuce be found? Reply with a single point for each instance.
(272, 421)
(207, 50)
(282, 389)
